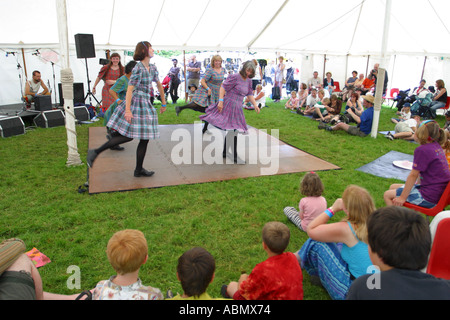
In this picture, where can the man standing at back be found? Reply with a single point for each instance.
(193, 72)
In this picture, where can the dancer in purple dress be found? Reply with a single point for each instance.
(227, 114)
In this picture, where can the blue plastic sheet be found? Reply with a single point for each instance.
(383, 167)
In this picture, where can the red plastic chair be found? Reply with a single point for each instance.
(439, 207)
(338, 87)
(439, 260)
(392, 95)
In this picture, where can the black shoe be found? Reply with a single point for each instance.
(91, 155)
(177, 110)
(143, 173)
(389, 136)
(117, 148)
(223, 292)
(322, 125)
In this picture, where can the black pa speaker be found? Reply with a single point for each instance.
(84, 45)
(43, 103)
(50, 119)
(78, 93)
(11, 126)
(82, 113)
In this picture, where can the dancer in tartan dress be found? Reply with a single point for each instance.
(136, 118)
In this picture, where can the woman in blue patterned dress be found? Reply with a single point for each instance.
(136, 118)
(227, 113)
(208, 92)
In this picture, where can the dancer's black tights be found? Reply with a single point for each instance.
(117, 138)
(193, 106)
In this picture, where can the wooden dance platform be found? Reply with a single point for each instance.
(183, 156)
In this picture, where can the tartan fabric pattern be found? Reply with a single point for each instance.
(144, 124)
(214, 80)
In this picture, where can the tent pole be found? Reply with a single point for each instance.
(185, 79)
(381, 71)
(423, 69)
(324, 65)
(24, 64)
(367, 66)
(67, 84)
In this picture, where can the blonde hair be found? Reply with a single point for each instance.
(127, 250)
(359, 205)
(311, 185)
(214, 59)
(430, 131)
(326, 101)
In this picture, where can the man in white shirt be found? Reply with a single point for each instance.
(32, 88)
(405, 129)
(315, 81)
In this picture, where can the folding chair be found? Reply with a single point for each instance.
(392, 95)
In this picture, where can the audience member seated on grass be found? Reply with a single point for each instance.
(430, 164)
(311, 109)
(405, 114)
(19, 278)
(399, 245)
(293, 101)
(337, 253)
(405, 129)
(195, 271)
(364, 122)
(260, 98)
(309, 207)
(334, 109)
(127, 251)
(303, 95)
(355, 104)
(277, 278)
(440, 97)
(311, 101)
(358, 83)
(321, 109)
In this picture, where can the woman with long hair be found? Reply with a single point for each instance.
(337, 253)
(136, 118)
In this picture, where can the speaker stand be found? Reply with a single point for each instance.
(89, 93)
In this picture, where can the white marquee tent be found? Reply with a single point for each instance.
(336, 36)
(409, 38)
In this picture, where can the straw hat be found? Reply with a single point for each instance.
(370, 99)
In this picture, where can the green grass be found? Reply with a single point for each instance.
(40, 203)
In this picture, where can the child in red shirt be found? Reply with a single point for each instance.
(277, 278)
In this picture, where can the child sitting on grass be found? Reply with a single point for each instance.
(311, 205)
(127, 252)
(293, 102)
(195, 271)
(277, 278)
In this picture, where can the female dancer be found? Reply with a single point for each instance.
(227, 114)
(109, 74)
(208, 92)
(136, 117)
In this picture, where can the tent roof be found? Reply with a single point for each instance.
(353, 27)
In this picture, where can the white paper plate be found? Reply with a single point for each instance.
(404, 164)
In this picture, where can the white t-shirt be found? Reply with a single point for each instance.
(311, 101)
